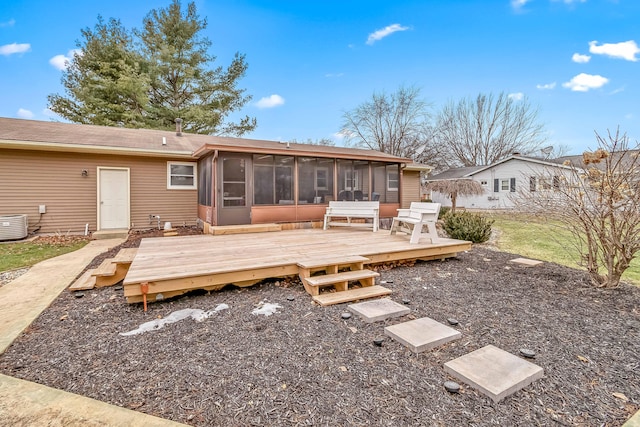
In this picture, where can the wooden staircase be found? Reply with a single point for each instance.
(110, 272)
(338, 272)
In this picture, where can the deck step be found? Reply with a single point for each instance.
(111, 271)
(125, 256)
(85, 282)
(345, 276)
(325, 261)
(107, 268)
(331, 298)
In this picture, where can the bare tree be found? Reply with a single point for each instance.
(396, 124)
(456, 187)
(481, 131)
(598, 201)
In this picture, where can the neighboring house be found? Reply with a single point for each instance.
(116, 178)
(503, 180)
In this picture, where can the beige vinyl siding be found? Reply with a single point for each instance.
(410, 188)
(32, 178)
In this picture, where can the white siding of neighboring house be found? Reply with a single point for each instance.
(521, 170)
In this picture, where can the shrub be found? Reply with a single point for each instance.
(468, 226)
(444, 210)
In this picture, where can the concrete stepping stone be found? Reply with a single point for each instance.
(526, 262)
(494, 372)
(422, 334)
(378, 310)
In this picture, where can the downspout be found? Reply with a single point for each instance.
(214, 188)
(295, 183)
(401, 185)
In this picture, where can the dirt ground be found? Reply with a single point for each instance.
(306, 365)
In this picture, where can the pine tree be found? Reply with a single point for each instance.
(181, 84)
(147, 78)
(105, 82)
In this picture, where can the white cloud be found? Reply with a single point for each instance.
(346, 133)
(384, 32)
(572, 1)
(580, 59)
(24, 114)
(10, 49)
(61, 62)
(270, 101)
(623, 50)
(546, 86)
(9, 23)
(518, 96)
(584, 82)
(518, 4)
(330, 75)
(49, 113)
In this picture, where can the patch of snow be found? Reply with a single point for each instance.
(195, 313)
(266, 308)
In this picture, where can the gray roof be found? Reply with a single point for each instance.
(469, 171)
(62, 136)
(455, 173)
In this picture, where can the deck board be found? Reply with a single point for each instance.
(161, 260)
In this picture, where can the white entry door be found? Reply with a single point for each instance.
(113, 198)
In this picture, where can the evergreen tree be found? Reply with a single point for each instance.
(147, 78)
(105, 82)
(181, 84)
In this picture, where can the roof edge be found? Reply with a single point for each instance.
(294, 151)
(524, 159)
(77, 148)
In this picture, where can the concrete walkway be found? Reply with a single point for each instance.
(21, 302)
(633, 421)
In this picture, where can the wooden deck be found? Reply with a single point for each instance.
(170, 266)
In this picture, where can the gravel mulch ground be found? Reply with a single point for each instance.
(305, 365)
(11, 275)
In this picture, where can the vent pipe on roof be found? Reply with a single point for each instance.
(179, 126)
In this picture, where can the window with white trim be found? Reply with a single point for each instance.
(350, 179)
(504, 185)
(393, 180)
(181, 176)
(322, 178)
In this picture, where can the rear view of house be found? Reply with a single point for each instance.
(68, 177)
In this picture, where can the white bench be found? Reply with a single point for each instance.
(413, 219)
(349, 210)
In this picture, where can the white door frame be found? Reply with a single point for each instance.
(98, 199)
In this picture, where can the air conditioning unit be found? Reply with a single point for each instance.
(13, 227)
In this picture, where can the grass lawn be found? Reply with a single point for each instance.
(17, 255)
(545, 241)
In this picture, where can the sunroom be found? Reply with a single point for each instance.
(271, 182)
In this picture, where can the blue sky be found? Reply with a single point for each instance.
(310, 61)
